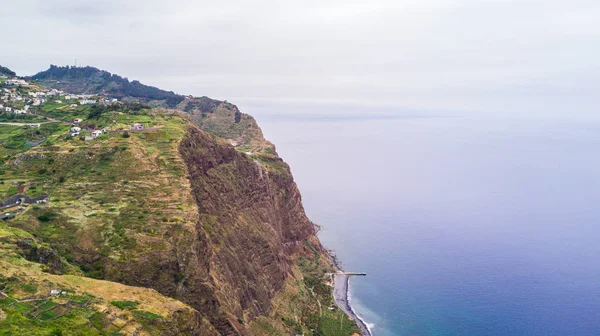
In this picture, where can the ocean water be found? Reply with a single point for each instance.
(466, 225)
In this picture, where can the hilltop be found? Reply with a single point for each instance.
(7, 72)
(123, 218)
(218, 117)
(90, 80)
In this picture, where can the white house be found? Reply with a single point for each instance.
(87, 102)
(137, 127)
(77, 120)
(96, 133)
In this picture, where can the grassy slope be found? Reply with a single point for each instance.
(95, 190)
(90, 306)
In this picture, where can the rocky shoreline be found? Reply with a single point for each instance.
(341, 294)
(341, 287)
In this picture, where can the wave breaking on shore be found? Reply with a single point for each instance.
(359, 319)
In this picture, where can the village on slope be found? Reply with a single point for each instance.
(28, 105)
(19, 97)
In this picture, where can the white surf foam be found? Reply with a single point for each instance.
(369, 326)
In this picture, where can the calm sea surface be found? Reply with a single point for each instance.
(465, 225)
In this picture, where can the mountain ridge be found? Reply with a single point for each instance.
(91, 80)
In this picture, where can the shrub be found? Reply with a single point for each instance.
(124, 304)
(47, 216)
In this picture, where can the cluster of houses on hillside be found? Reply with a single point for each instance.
(41, 97)
(13, 100)
(9, 100)
(76, 130)
(94, 133)
(17, 82)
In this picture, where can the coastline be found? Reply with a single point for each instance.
(341, 295)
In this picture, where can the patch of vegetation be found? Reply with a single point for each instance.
(47, 216)
(125, 304)
(202, 104)
(146, 315)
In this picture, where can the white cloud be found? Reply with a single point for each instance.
(431, 54)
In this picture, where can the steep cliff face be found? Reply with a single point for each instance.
(252, 219)
(250, 228)
(226, 121)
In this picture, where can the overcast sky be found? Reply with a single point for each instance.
(490, 56)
